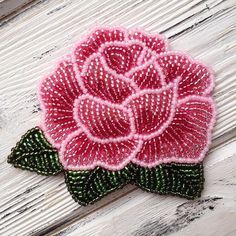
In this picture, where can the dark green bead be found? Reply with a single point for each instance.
(185, 180)
(33, 152)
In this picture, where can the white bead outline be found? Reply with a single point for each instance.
(208, 137)
(96, 163)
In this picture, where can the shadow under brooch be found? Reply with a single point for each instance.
(122, 108)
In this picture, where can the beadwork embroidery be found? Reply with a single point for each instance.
(122, 108)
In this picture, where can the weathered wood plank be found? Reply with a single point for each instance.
(32, 42)
(9, 7)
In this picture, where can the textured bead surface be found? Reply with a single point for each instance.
(122, 97)
(122, 108)
(34, 153)
(185, 180)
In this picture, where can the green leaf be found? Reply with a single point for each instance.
(185, 180)
(33, 152)
(88, 186)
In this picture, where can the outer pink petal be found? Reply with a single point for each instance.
(98, 80)
(188, 137)
(91, 45)
(80, 153)
(147, 76)
(122, 56)
(57, 93)
(103, 121)
(153, 110)
(156, 42)
(197, 79)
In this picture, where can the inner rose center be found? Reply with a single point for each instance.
(122, 58)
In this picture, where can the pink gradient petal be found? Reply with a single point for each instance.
(187, 138)
(147, 76)
(57, 93)
(91, 45)
(197, 79)
(81, 153)
(98, 80)
(153, 110)
(145, 56)
(122, 57)
(156, 42)
(102, 120)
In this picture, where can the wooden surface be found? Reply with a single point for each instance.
(10, 7)
(33, 39)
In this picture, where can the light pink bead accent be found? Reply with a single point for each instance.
(122, 97)
(57, 93)
(186, 139)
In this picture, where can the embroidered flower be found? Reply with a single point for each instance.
(122, 97)
(122, 108)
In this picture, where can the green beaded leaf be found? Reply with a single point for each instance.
(185, 180)
(86, 187)
(34, 153)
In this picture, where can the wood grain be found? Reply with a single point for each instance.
(31, 43)
(10, 7)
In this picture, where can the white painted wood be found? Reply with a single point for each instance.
(10, 6)
(33, 41)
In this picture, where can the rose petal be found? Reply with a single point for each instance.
(122, 57)
(102, 120)
(57, 94)
(81, 153)
(146, 56)
(155, 42)
(153, 110)
(197, 79)
(91, 45)
(147, 76)
(99, 81)
(186, 139)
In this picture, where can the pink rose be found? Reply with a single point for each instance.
(123, 97)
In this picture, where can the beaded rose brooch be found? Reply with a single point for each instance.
(122, 108)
